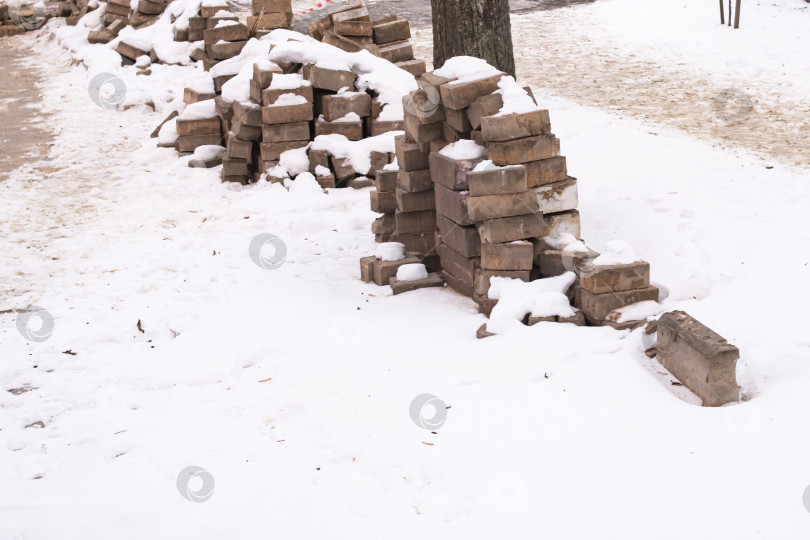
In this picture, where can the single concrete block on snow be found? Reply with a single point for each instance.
(700, 358)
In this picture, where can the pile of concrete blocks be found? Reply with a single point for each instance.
(18, 19)
(499, 210)
(198, 132)
(119, 14)
(269, 15)
(388, 270)
(348, 26)
(286, 111)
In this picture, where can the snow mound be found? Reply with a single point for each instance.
(412, 272)
(616, 252)
(463, 149)
(516, 299)
(466, 69)
(390, 251)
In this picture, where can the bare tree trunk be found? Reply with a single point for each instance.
(478, 28)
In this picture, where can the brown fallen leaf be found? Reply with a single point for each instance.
(675, 383)
(140, 328)
(427, 443)
(265, 380)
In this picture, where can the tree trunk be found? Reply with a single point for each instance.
(479, 28)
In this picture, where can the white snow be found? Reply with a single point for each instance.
(358, 152)
(295, 161)
(320, 170)
(487, 165)
(516, 299)
(209, 151)
(291, 81)
(292, 397)
(466, 69)
(463, 149)
(390, 251)
(304, 183)
(349, 117)
(288, 99)
(412, 272)
(515, 99)
(616, 252)
(200, 110)
(640, 311)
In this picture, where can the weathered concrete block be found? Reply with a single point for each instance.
(338, 105)
(415, 222)
(458, 284)
(460, 95)
(351, 130)
(546, 171)
(294, 131)
(378, 161)
(409, 156)
(700, 358)
(557, 197)
(248, 113)
(457, 264)
(452, 204)
(238, 148)
(271, 95)
(390, 32)
(329, 79)
(451, 173)
(233, 32)
(482, 278)
(415, 202)
(417, 243)
(376, 127)
(464, 240)
(523, 150)
(326, 181)
(271, 151)
(343, 169)
(286, 114)
(385, 224)
(189, 143)
(224, 50)
(415, 181)
(555, 262)
(385, 270)
(413, 66)
(497, 182)
(433, 280)
(419, 132)
(270, 6)
(234, 167)
(383, 202)
(510, 256)
(264, 77)
(316, 158)
(399, 51)
(458, 120)
(425, 107)
(360, 182)
(270, 21)
(484, 106)
(501, 206)
(245, 132)
(613, 278)
(509, 229)
(203, 126)
(386, 180)
(597, 306)
(515, 126)
(557, 224)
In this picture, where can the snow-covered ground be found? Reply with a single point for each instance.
(292, 386)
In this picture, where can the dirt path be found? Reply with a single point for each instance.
(24, 137)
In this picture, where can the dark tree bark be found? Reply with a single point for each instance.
(478, 28)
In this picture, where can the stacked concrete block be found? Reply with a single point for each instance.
(225, 40)
(198, 132)
(384, 201)
(602, 289)
(268, 15)
(117, 10)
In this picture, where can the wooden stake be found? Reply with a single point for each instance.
(737, 14)
(729, 12)
(722, 13)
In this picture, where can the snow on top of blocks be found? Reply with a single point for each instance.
(213, 3)
(487, 165)
(463, 149)
(515, 99)
(358, 152)
(289, 99)
(412, 272)
(616, 252)
(390, 251)
(516, 299)
(199, 110)
(288, 81)
(466, 69)
(209, 151)
(374, 73)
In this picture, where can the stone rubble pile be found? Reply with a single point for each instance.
(498, 219)
(348, 26)
(18, 19)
